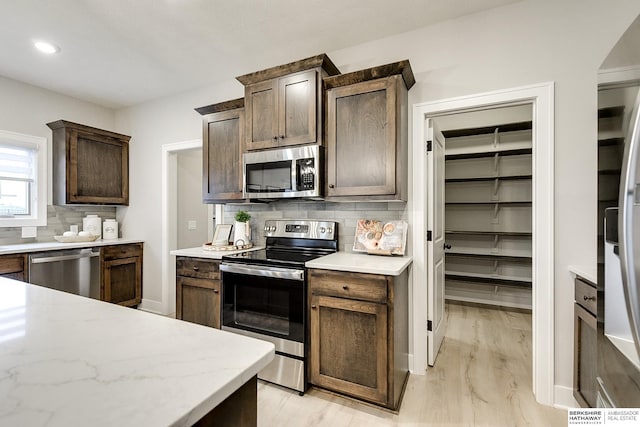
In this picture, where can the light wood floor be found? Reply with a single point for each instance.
(482, 377)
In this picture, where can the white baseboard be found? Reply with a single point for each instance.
(152, 306)
(563, 398)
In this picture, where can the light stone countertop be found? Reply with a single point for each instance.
(588, 273)
(67, 360)
(51, 246)
(198, 252)
(362, 263)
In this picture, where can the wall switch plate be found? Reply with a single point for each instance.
(191, 225)
(29, 232)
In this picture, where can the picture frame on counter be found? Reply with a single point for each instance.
(222, 234)
(380, 238)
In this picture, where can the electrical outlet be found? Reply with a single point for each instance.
(191, 225)
(29, 232)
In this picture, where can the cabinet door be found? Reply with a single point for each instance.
(349, 347)
(223, 134)
(261, 120)
(97, 169)
(585, 388)
(361, 139)
(198, 301)
(297, 103)
(122, 281)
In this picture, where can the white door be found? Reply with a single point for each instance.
(435, 245)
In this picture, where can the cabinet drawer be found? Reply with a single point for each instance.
(366, 287)
(12, 264)
(197, 267)
(121, 251)
(587, 296)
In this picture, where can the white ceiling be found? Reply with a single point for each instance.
(123, 52)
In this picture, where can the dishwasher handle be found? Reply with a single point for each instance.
(35, 260)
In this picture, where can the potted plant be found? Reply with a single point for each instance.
(242, 228)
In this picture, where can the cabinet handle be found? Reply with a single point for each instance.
(345, 287)
(215, 291)
(195, 268)
(447, 246)
(281, 136)
(586, 298)
(313, 306)
(332, 186)
(275, 138)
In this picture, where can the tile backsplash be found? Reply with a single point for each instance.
(59, 219)
(345, 213)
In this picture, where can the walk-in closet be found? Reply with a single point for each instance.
(488, 206)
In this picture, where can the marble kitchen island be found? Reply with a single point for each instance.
(67, 360)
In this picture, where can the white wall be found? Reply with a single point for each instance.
(27, 109)
(524, 43)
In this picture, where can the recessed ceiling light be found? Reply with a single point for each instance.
(46, 47)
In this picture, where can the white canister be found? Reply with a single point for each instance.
(92, 224)
(110, 229)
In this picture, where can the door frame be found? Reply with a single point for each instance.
(169, 217)
(541, 98)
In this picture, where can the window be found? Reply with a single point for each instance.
(23, 183)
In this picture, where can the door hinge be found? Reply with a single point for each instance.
(429, 146)
(429, 326)
(429, 236)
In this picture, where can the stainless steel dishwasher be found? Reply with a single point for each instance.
(76, 271)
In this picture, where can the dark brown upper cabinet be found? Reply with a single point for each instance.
(366, 133)
(283, 104)
(90, 165)
(222, 146)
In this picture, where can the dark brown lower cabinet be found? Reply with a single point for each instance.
(359, 334)
(14, 266)
(585, 349)
(122, 274)
(198, 291)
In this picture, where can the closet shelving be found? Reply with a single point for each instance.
(488, 206)
(610, 152)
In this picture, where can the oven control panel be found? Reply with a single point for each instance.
(301, 229)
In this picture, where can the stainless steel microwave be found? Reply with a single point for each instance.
(283, 173)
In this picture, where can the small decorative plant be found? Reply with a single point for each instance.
(242, 216)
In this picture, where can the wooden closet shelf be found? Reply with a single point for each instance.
(487, 153)
(490, 279)
(509, 127)
(490, 178)
(610, 141)
(492, 202)
(487, 233)
(606, 112)
(489, 254)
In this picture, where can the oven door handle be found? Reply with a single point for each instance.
(264, 271)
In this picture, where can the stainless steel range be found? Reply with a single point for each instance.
(264, 293)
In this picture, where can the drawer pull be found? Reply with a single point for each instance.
(313, 306)
(195, 268)
(586, 298)
(215, 291)
(345, 287)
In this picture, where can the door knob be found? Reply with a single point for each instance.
(447, 246)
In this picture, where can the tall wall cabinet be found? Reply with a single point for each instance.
(488, 214)
(223, 137)
(366, 133)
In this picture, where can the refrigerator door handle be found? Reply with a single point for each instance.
(629, 223)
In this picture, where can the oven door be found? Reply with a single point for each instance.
(265, 301)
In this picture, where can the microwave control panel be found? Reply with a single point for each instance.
(306, 172)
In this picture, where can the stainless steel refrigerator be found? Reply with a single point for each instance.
(618, 328)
